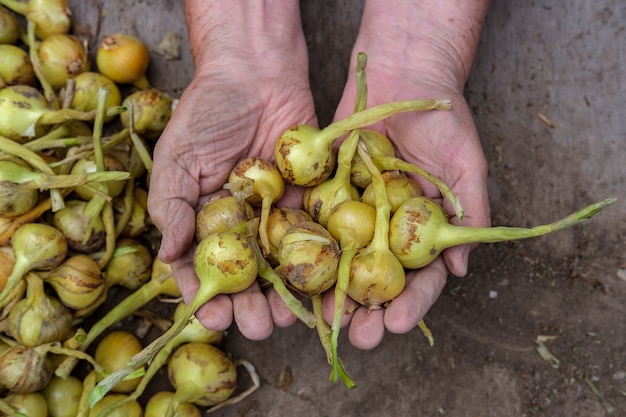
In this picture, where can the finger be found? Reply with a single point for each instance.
(328, 306)
(281, 315)
(421, 290)
(171, 200)
(252, 313)
(366, 328)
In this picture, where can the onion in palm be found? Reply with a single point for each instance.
(420, 230)
(152, 110)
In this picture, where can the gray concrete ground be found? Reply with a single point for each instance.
(566, 60)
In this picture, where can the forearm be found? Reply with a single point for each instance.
(424, 36)
(229, 34)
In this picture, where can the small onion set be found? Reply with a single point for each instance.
(75, 156)
(77, 245)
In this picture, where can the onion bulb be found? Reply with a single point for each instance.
(304, 154)
(201, 374)
(222, 214)
(161, 283)
(130, 266)
(84, 233)
(10, 29)
(88, 166)
(279, 220)
(24, 113)
(39, 318)
(15, 66)
(399, 188)
(308, 258)
(78, 282)
(127, 409)
(266, 186)
(32, 404)
(62, 396)
(377, 144)
(420, 230)
(124, 59)
(85, 97)
(62, 57)
(25, 369)
(113, 351)
(225, 263)
(159, 402)
(50, 16)
(36, 246)
(152, 109)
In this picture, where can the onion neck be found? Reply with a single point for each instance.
(449, 235)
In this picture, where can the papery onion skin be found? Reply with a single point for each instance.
(47, 243)
(308, 258)
(78, 281)
(83, 234)
(279, 220)
(86, 91)
(152, 110)
(15, 66)
(352, 223)
(375, 278)
(207, 368)
(222, 214)
(62, 57)
(24, 370)
(39, 318)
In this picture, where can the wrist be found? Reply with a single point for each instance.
(241, 37)
(422, 42)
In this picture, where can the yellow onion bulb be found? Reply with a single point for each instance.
(32, 404)
(15, 198)
(62, 396)
(352, 223)
(152, 110)
(222, 214)
(159, 403)
(308, 258)
(376, 144)
(84, 234)
(130, 266)
(39, 318)
(279, 220)
(376, 277)
(10, 29)
(201, 374)
(399, 186)
(25, 369)
(78, 282)
(62, 57)
(21, 106)
(88, 166)
(15, 66)
(114, 351)
(87, 85)
(124, 59)
(50, 16)
(126, 408)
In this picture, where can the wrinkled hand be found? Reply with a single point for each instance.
(444, 143)
(220, 119)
